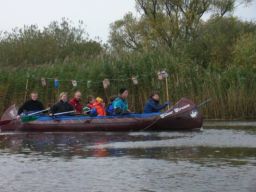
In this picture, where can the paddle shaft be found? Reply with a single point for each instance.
(63, 113)
(38, 112)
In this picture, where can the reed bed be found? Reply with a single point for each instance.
(233, 91)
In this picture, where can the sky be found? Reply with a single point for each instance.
(96, 14)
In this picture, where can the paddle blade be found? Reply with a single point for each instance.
(26, 119)
(10, 113)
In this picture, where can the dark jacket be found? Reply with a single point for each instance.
(153, 106)
(61, 106)
(30, 106)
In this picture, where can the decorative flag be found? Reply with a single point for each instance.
(106, 83)
(162, 75)
(43, 81)
(74, 83)
(135, 80)
(56, 83)
(89, 83)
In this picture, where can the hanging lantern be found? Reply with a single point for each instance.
(165, 74)
(89, 83)
(159, 75)
(162, 75)
(106, 83)
(74, 83)
(56, 83)
(135, 80)
(43, 81)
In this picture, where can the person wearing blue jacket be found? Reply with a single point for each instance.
(120, 104)
(153, 106)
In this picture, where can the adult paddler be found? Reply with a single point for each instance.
(32, 105)
(76, 102)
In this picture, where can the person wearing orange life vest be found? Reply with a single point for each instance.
(96, 104)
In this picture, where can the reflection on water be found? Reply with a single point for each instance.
(209, 160)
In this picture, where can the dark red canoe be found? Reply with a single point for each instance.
(184, 115)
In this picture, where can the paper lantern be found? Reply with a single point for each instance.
(162, 75)
(56, 83)
(135, 80)
(89, 83)
(106, 83)
(43, 81)
(74, 83)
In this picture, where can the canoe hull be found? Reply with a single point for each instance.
(183, 116)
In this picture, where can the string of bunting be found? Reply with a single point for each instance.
(105, 83)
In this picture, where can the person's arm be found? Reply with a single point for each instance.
(160, 107)
(71, 107)
(157, 107)
(41, 106)
(53, 109)
(21, 109)
(117, 105)
(71, 102)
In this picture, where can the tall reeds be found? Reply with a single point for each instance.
(232, 92)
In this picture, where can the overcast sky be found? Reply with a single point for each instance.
(96, 14)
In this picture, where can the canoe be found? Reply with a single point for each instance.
(184, 115)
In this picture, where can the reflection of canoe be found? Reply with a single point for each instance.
(182, 116)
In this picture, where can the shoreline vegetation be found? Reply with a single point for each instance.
(205, 59)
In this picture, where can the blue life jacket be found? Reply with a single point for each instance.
(93, 112)
(110, 110)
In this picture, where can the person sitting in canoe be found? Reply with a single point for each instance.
(153, 106)
(31, 105)
(63, 105)
(75, 102)
(120, 103)
(97, 106)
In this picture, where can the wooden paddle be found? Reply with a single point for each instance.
(63, 113)
(26, 118)
(35, 113)
(31, 116)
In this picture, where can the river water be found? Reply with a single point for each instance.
(215, 159)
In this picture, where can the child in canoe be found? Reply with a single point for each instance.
(97, 106)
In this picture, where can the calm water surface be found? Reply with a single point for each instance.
(210, 160)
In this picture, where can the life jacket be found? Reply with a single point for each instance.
(110, 110)
(99, 108)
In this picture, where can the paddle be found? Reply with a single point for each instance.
(25, 118)
(31, 116)
(34, 113)
(63, 113)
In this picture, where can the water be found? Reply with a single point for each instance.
(222, 159)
